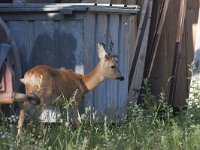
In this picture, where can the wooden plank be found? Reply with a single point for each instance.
(103, 1)
(180, 97)
(116, 1)
(126, 10)
(20, 31)
(141, 46)
(171, 24)
(31, 42)
(124, 48)
(31, 16)
(66, 51)
(156, 13)
(43, 49)
(156, 38)
(66, 54)
(134, 29)
(89, 47)
(43, 45)
(71, 40)
(190, 30)
(71, 50)
(112, 86)
(142, 26)
(101, 90)
(40, 8)
(155, 80)
(177, 51)
(159, 76)
(57, 39)
(56, 8)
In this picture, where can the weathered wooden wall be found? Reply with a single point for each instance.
(164, 58)
(70, 41)
(73, 1)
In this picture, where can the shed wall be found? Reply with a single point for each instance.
(110, 97)
(70, 42)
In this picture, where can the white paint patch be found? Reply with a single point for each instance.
(51, 114)
(79, 69)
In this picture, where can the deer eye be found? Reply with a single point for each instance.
(113, 67)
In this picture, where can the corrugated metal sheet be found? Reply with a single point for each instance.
(69, 41)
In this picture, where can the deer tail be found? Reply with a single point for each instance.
(33, 99)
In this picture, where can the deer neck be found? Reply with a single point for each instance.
(93, 78)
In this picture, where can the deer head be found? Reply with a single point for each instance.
(108, 64)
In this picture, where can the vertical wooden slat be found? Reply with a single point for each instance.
(100, 91)
(171, 22)
(112, 88)
(67, 41)
(31, 43)
(177, 52)
(43, 48)
(154, 41)
(57, 40)
(180, 99)
(160, 77)
(71, 43)
(20, 31)
(137, 66)
(190, 34)
(165, 49)
(89, 47)
(181, 77)
(123, 65)
(43, 52)
(71, 51)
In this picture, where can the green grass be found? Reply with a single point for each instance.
(148, 126)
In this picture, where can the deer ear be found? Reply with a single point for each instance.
(101, 50)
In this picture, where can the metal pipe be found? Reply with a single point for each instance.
(19, 97)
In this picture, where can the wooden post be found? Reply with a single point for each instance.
(177, 51)
(137, 68)
(156, 39)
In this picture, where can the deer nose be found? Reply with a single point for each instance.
(120, 78)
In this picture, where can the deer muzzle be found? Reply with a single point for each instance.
(120, 78)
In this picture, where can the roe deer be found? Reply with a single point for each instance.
(49, 83)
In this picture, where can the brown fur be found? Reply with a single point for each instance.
(49, 83)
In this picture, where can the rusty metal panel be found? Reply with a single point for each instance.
(70, 42)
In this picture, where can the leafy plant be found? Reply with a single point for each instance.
(150, 125)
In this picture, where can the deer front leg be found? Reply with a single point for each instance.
(75, 122)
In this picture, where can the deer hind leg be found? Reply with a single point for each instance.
(33, 111)
(22, 117)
